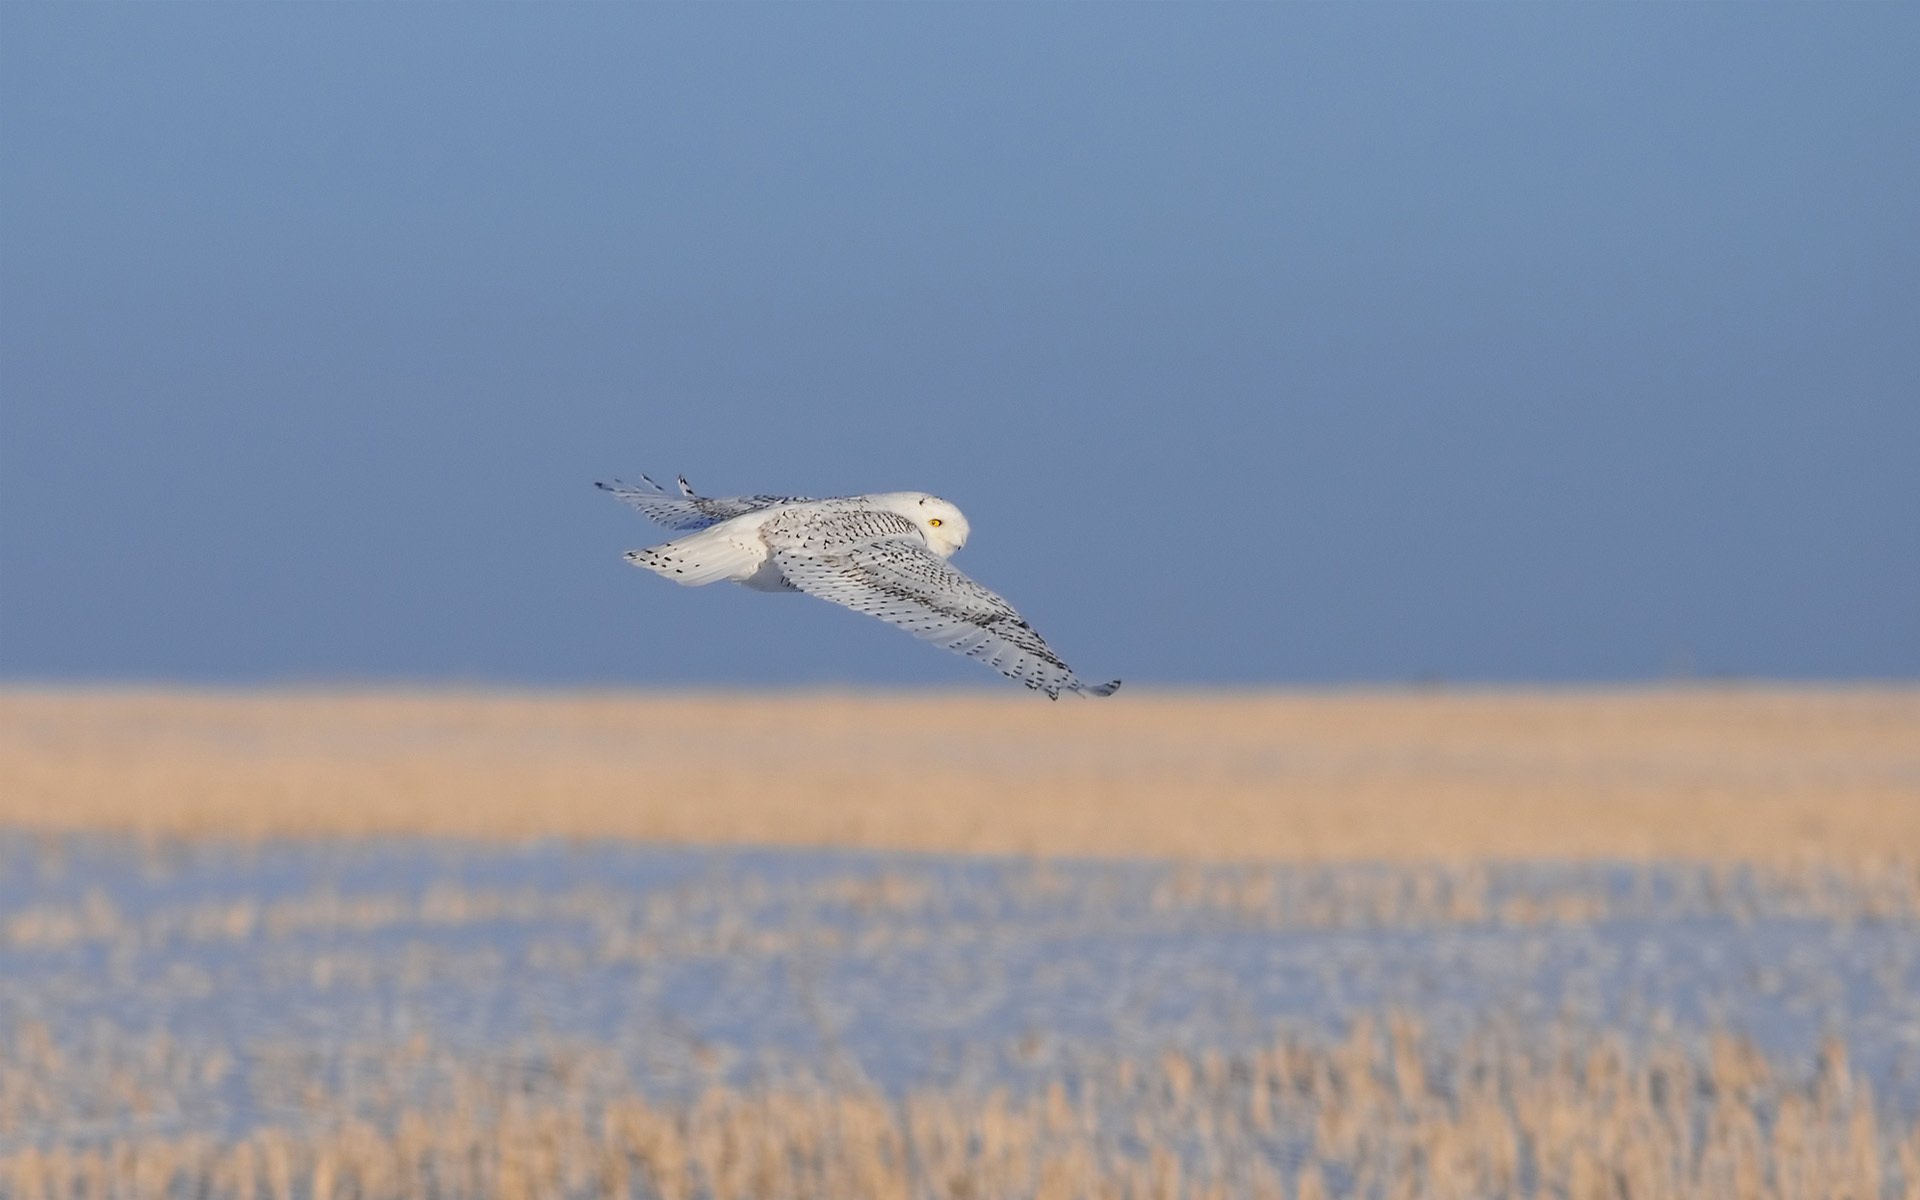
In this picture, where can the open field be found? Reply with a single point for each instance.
(1580, 945)
(438, 1018)
(1740, 774)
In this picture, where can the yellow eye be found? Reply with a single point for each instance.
(933, 520)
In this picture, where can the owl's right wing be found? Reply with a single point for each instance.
(688, 510)
(876, 562)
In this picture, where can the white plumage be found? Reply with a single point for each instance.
(884, 555)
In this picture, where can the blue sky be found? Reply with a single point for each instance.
(1282, 344)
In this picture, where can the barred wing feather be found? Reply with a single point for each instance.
(687, 509)
(876, 562)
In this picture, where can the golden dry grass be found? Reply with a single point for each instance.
(1707, 773)
(1390, 1110)
(1804, 803)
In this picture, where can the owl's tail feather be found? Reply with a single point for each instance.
(706, 557)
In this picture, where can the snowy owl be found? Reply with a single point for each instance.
(884, 555)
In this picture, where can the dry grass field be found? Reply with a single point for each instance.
(1696, 773)
(1585, 1120)
(1592, 945)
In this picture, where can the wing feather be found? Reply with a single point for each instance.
(688, 510)
(876, 562)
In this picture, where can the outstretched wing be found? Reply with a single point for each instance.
(686, 510)
(876, 562)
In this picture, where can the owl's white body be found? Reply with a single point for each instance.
(883, 554)
(734, 551)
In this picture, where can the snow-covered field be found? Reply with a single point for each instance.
(313, 947)
(191, 998)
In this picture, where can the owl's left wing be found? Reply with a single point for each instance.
(876, 562)
(688, 510)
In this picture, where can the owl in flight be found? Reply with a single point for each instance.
(884, 555)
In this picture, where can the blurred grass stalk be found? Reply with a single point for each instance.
(1390, 1110)
(1804, 800)
(1709, 774)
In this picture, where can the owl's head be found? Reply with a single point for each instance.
(944, 526)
